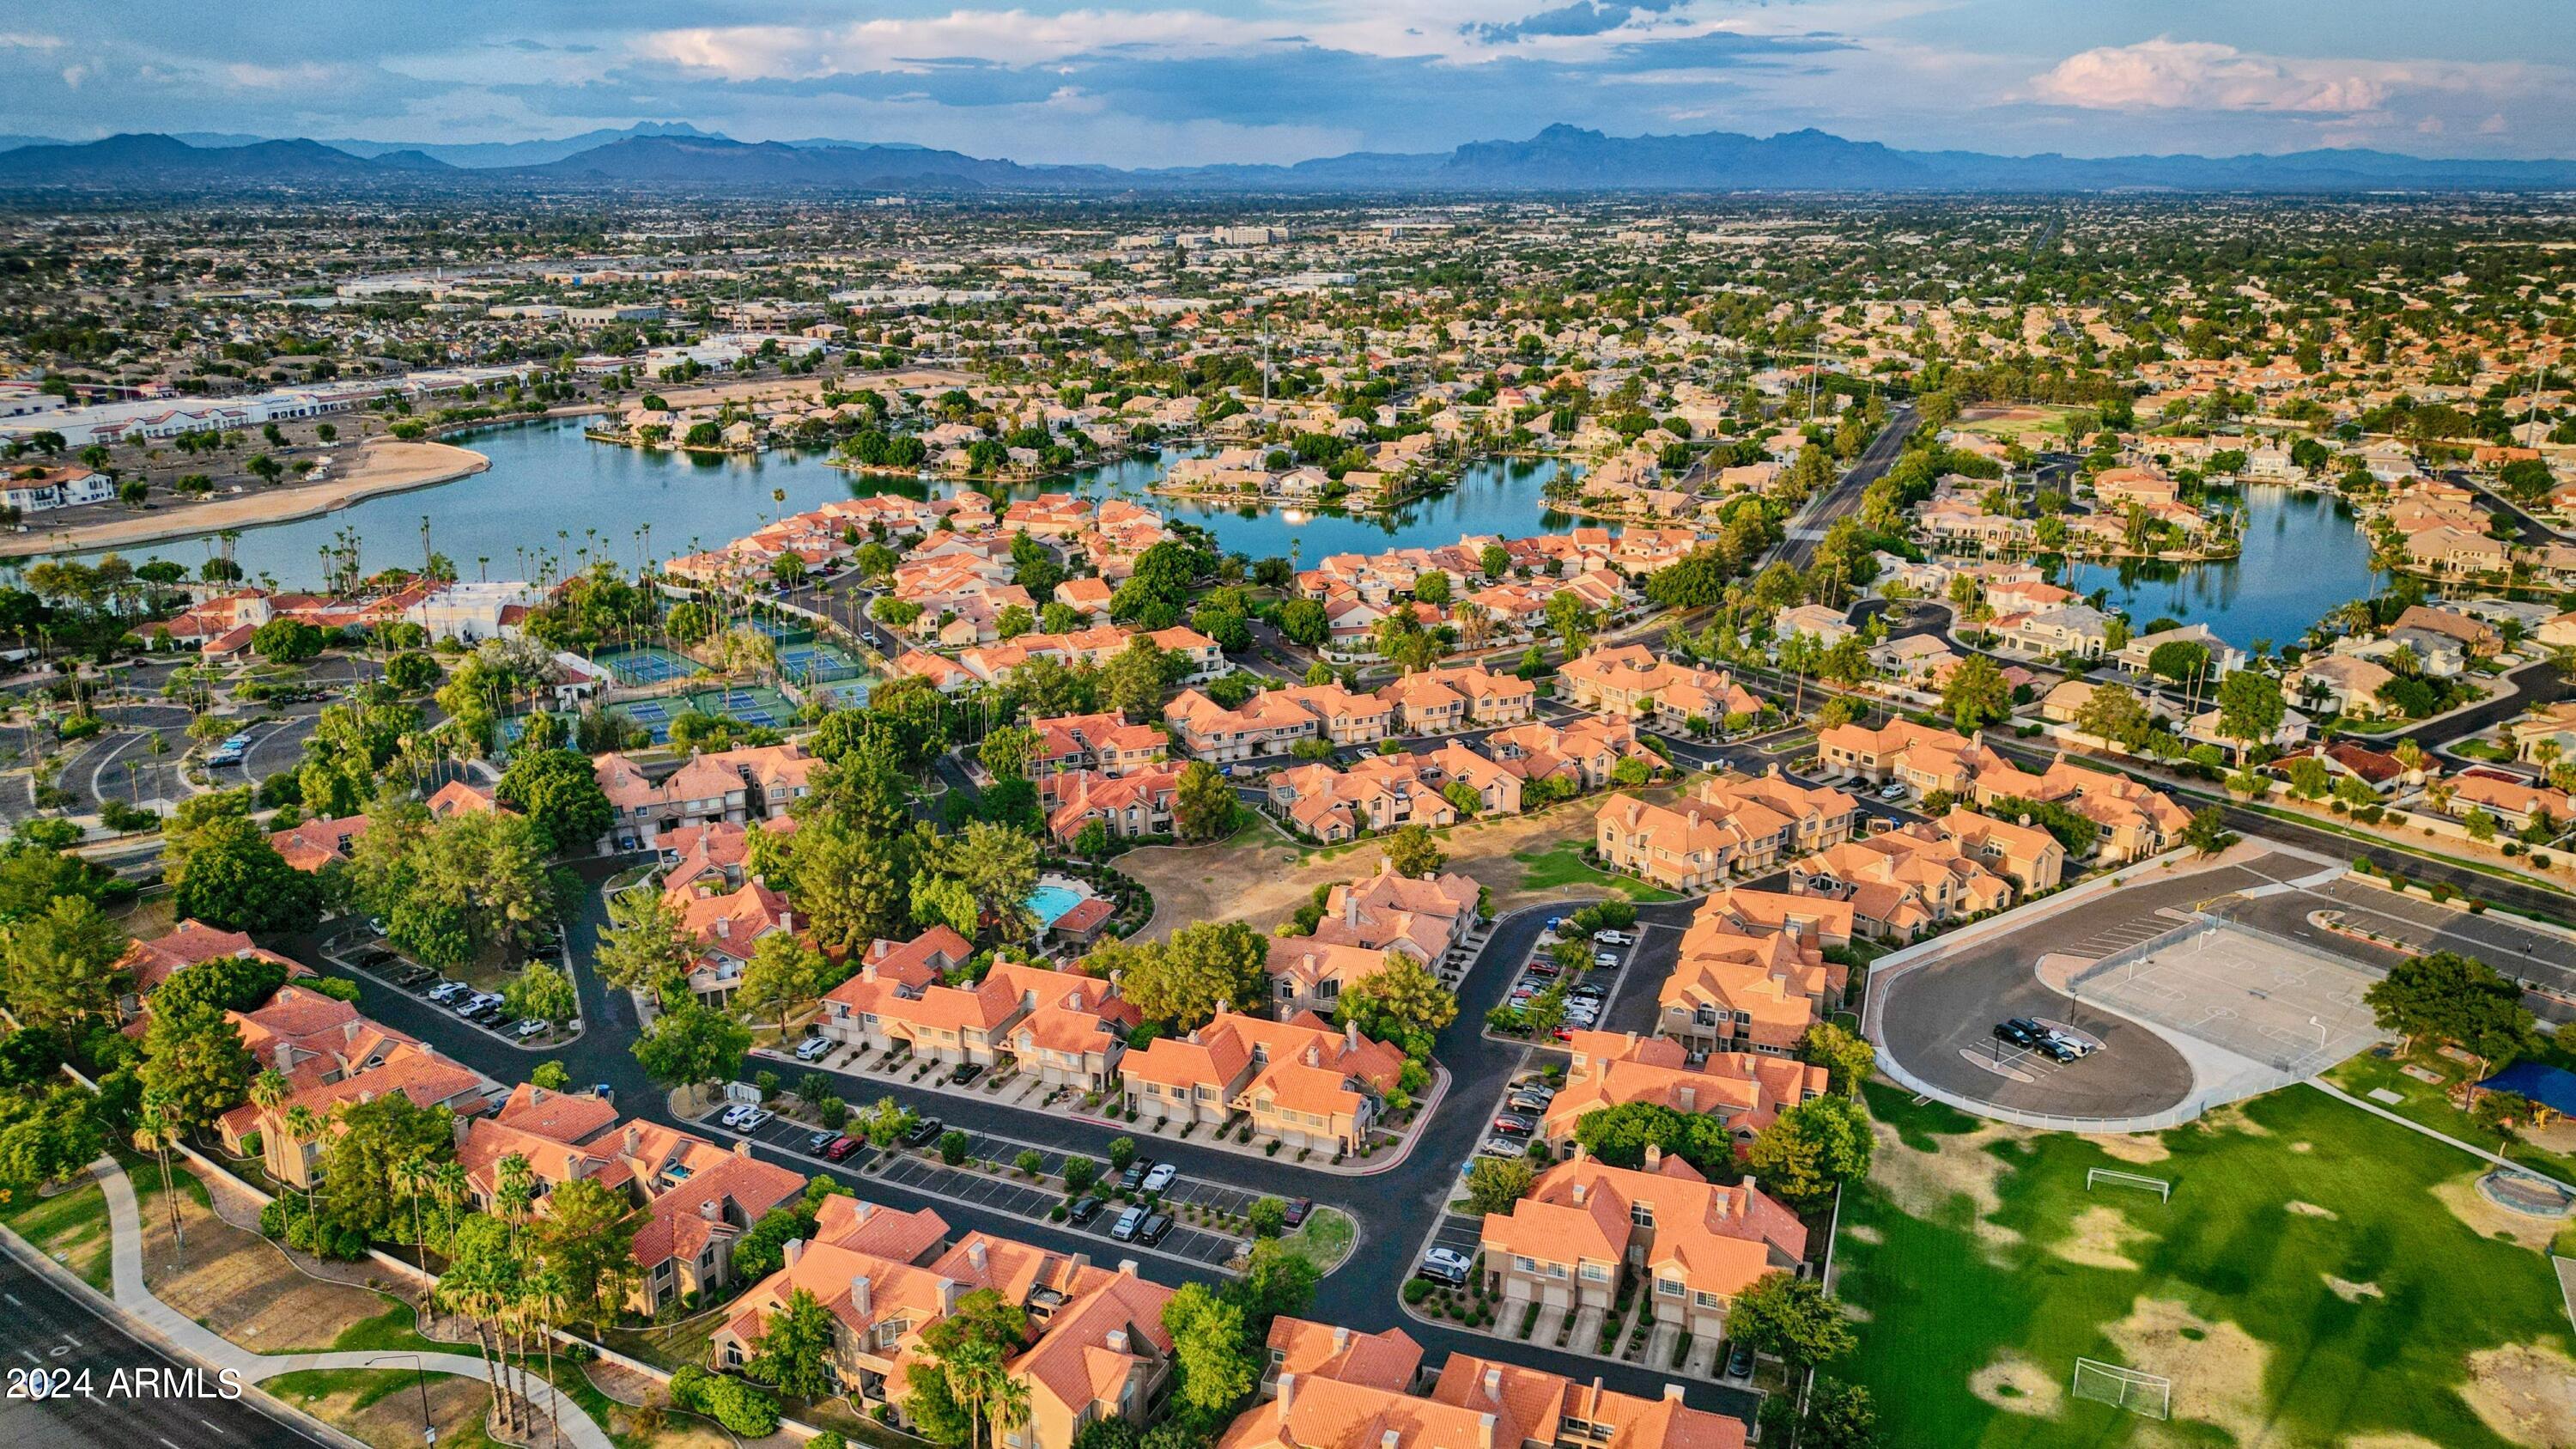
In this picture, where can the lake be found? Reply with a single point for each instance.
(552, 491)
(2303, 555)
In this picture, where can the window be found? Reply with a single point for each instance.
(1595, 1273)
(1668, 1288)
(1704, 1300)
(1524, 1265)
(1641, 1214)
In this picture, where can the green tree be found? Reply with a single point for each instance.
(783, 974)
(960, 1374)
(1210, 1350)
(1495, 1183)
(2115, 712)
(228, 875)
(1976, 694)
(62, 965)
(693, 1044)
(588, 1235)
(195, 1065)
(1414, 851)
(359, 1161)
(794, 1353)
(1181, 982)
(1847, 1059)
(1791, 1319)
(646, 943)
(2454, 1000)
(1203, 806)
(2249, 708)
(1402, 1004)
(2208, 832)
(542, 993)
(559, 790)
(1810, 1149)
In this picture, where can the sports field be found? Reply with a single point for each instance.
(2320, 1276)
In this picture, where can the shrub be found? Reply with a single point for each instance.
(743, 1408)
(1417, 1289)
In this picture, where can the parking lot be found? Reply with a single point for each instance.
(2538, 958)
(1591, 991)
(374, 958)
(1019, 1199)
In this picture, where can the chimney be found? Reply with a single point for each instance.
(742, 1147)
(1391, 1439)
(707, 1209)
(1351, 1035)
(1578, 1188)
(634, 1139)
(1494, 1384)
(1351, 908)
(1341, 1338)
(1287, 1400)
(860, 1294)
(1484, 1432)
(794, 1250)
(1115, 1340)
(950, 1290)
(1689, 1097)
(1654, 1156)
(1126, 1267)
(975, 1254)
(1672, 1391)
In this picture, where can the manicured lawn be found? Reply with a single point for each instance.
(2431, 1105)
(1325, 1238)
(70, 1228)
(2305, 1285)
(1561, 865)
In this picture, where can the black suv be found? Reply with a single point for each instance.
(2019, 1033)
(1154, 1228)
(1083, 1211)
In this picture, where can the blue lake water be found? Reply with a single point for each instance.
(550, 491)
(2303, 555)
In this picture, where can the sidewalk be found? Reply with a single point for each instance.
(184, 1335)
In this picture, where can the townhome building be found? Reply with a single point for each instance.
(2034, 858)
(1351, 1402)
(398, 1065)
(725, 787)
(148, 963)
(1102, 743)
(1425, 918)
(1808, 817)
(1582, 753)
(1298, 1081)
(1692, 1245)
(1750, 974)
(1437, 701)
(1376, 793)
(1129, 806)
(1904, 882)
(1631, 680)
(1745, 1091)
(1686, 849)
(1075, 1024)
(1308, 975)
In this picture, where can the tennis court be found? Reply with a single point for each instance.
(645, 665)
(817, 663)
(758, 706)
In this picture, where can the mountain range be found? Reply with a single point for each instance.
(675, 155)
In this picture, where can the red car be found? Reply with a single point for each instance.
(841, 1147)
(1565, 1033)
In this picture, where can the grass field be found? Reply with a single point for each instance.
(2430, 1104)
(1561, 865)
(2321, 1276)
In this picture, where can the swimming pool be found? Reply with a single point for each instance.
(1049, 903)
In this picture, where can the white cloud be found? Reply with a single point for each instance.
(28, 40)
(2164, 74)
(1014, 37)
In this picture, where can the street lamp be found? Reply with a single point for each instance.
(428, 1429)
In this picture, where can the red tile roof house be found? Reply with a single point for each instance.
(1095, 1345)
(1301, 1082)
(728, 787)
(1067, 1027)
(1425, 919)
(1128, 806)
(149, 963)
(1347, 1403)
(1743, 1090)
(325, 1084)
(727, 927)
(1693, 1244)
(313, 844)
(1310, 975)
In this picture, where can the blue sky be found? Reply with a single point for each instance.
(1156, 83)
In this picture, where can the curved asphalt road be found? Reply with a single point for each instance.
(1392, 1207)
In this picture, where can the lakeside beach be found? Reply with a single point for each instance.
(379, 466)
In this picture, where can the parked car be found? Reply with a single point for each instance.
(754, 1118)
(813, 1048)
(1297, 1210)
(447, 991)
(1083, 1211)
(2076, 1044)
(1151, 1231)
(1134, 1177)
(1606, 960)
(1613, 938)
(1534, 1087)
(1524, 1102)
(1161, 1177)
(414, 975)
(965, 1072)
(817, 1141)
(1546, 969)
(1515, 1126)
(734, 1114)
(1739, 1360)
(924, 1132)
(2015, 1033)
(1502, 1147)
(1588, 991)
(841, 1147)
(533, 1026)
(1892, 790)
(1124, 1230)
(1445, 1265)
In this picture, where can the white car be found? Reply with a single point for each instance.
(1613, 938)
(812, 1048)
(754, 1118)
(1161, 1177)
(734, 1114)
(533, 1026)
(1503, 1147)
(1893, 790)
(1446, 1264)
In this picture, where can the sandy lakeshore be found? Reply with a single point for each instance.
(381, 465)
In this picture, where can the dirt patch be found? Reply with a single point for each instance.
(1924, 1184)
(383, 1408)
(2232, 1118)
(2303, 1148)
(2216, 1368)
(2100, 1237)
(2351, 1292)
(2311, 1210)
(2390, 1441)
(241, 1286)
(1263, 876)
(2526, 1394)
(2018, 1386)
(1863, 1233)
(2470, 1206)
(2136, 1148)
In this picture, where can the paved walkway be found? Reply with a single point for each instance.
(185, 1335)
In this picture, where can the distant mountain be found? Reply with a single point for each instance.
(150, 162)
(12, 143)
(483, 155)
(1557, 159)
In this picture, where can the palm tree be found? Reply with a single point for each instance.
(547, 1302)
(156, 1133)
(517, 1183)
(412, 1177)
(304, 1127)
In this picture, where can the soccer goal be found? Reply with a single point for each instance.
(2160, 1186)
(2124, 1388)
